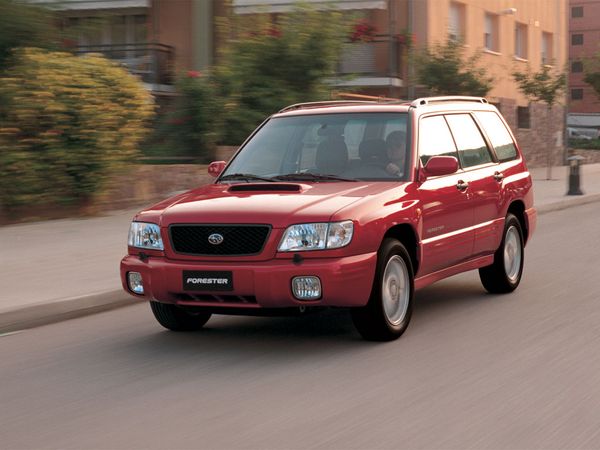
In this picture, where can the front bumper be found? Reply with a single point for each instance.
(345, 281)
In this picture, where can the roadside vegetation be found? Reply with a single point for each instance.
(444, 69)
(263, 67)
(67, 123)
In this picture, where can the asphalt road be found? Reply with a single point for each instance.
(473, 370)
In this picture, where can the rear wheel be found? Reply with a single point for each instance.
(504, 275)
(176, 319)
(388, 312)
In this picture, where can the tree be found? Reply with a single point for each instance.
(442, 68)
(544, 86)
(23, 25)
(268, 65)
(592, 72)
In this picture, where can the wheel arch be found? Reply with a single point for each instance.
(517, 208)
(406, 234)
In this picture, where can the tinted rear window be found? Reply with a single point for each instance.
(498, 135)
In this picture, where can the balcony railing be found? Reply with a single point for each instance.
(381, 57)
(153, 63)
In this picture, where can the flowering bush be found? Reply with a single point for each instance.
(363, 32)
(191, 128)
(66, 123)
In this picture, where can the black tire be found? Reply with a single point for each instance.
(496, 278)
(372, 321)
(176, 319)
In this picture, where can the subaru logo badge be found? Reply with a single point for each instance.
(215, 238)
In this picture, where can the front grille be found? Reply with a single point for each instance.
(237, 239)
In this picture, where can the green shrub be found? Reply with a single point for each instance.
(191, 129)
(66, 124)
(268, 66)
(590, 144)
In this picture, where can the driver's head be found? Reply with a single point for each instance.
(396, 145)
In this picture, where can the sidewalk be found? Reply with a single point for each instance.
(60, 269)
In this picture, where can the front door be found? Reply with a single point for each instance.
(447, 213)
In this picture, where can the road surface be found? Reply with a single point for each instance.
(473, 370)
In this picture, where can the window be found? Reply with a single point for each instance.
(577, 94)
(490, 36)
(324, 144)
(547, 48)
(577, 39)
(435, 139)
(577, 67)
(576, 11)
(521, 40)
(523, 117)
(456, 21)
(498, 134)
(472, 149)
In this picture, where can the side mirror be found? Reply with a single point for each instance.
(216, 167)
(440, 165)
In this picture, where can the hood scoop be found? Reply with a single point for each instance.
(265, 187)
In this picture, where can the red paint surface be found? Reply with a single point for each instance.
(456, 230)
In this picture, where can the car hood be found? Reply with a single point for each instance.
(277, 204)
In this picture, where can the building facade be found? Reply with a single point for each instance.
(158, 39)
(584, 42)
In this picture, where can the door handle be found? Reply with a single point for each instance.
(462, 185)
(498, 176)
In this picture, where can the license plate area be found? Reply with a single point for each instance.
(207, 280)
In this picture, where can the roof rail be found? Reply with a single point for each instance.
(448, 98)
(324, 103)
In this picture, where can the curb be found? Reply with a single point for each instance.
(572, 202)
(46, 313)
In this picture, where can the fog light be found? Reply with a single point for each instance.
(134, 279)
(306, 288)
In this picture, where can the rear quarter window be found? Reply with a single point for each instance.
(498, 134)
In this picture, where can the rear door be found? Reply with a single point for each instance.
(447, 213)
(481, 172)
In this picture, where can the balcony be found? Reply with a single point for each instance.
(153, 63)
(375, 63)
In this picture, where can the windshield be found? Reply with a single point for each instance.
(325, 148)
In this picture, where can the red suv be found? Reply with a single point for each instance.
(340, 204)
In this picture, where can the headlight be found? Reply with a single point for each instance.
(145, 235)
(316, 236)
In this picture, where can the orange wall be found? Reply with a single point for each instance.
(172, 25)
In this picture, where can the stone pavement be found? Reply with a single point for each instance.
(59, 269)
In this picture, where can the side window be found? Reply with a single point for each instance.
(435, 139)
(472, 149)
(498, 135)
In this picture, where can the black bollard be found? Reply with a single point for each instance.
(574, 175)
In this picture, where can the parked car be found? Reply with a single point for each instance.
(341, 204)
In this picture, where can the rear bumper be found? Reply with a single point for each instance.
(531, 217)
(345, 281)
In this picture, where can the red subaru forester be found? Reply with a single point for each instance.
(340, 204)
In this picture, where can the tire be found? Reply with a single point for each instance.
(176, 319)
(388, 312)
(504, 275)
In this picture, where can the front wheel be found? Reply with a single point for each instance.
(176, 319)
(504, 275)
(388, 312)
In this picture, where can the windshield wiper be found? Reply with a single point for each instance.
(248, 177)
(310, 177)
